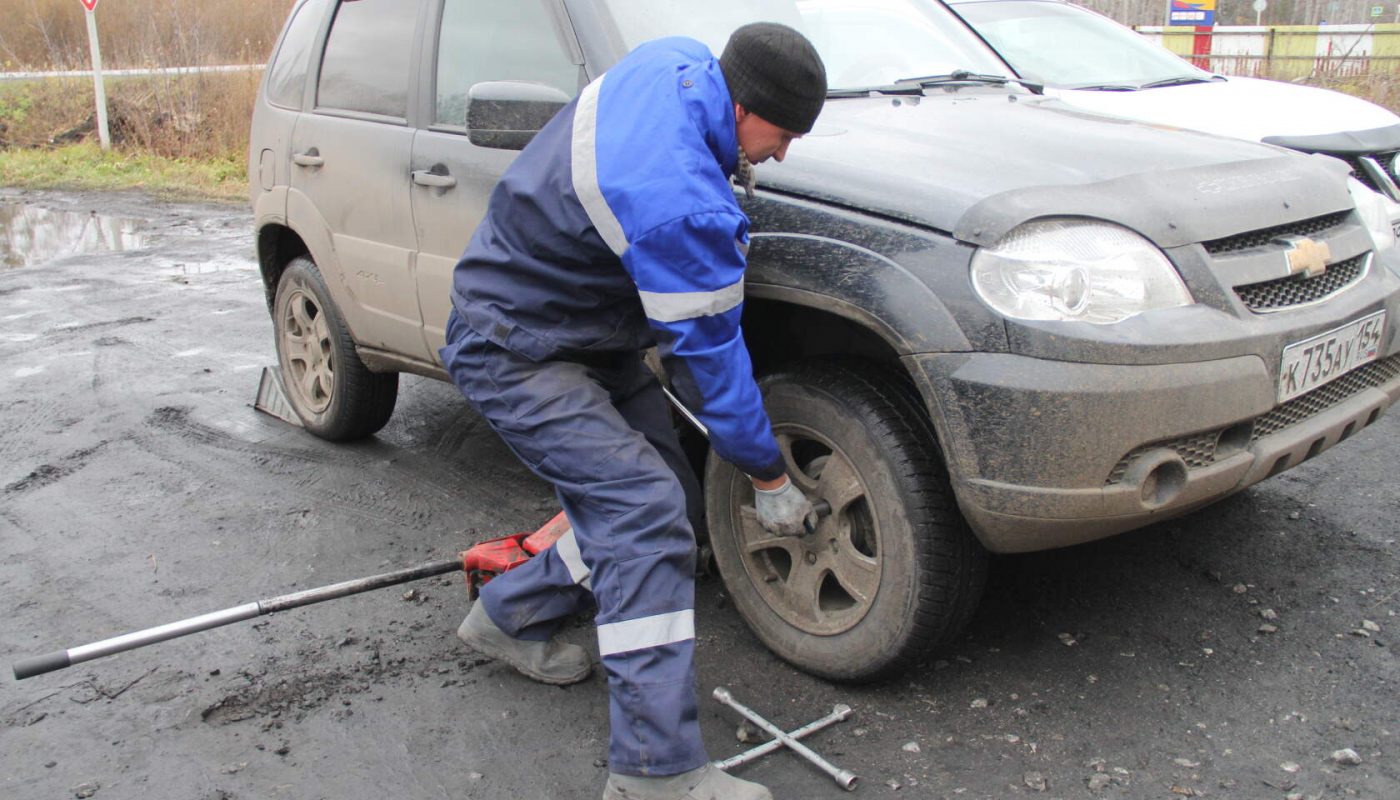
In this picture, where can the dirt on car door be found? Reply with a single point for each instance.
(478, 41)
(350, 158)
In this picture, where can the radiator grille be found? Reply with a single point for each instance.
(1307, 227)
(1384, 159)
(1324, 397)
(1199, 449)
(1297, 290)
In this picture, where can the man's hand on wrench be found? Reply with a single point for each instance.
(782, 508)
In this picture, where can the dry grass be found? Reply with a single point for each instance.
(1383, 90)
(192, 116)
(52, 34)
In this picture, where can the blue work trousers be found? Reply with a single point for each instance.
(598, 428)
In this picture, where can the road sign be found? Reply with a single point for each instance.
(1376, 11)
(90, 5)
(1260, 5)
(1191, 12)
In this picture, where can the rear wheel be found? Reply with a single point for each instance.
(893, 570)
(333, 392)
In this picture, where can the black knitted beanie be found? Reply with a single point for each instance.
(774, 72)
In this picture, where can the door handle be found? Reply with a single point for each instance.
(311, 158)
(424, 177)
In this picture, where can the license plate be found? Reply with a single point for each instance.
(1313, 362)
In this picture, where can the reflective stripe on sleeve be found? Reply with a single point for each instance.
(639, 634)
(584, 159)
(567, 548)
(677, 306)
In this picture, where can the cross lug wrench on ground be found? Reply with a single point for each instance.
(838, 713)
(843, 777)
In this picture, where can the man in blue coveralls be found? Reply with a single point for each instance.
(617, 229)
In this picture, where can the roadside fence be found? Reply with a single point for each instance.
(150, 72)
(1287, 52)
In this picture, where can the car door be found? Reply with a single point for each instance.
(474, 41)
(350, 159)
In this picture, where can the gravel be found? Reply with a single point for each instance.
(1346, 757)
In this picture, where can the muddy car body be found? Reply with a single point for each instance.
(984, 320)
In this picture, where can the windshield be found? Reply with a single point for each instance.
(865, 43)
(1069, 47)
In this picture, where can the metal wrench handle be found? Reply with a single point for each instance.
(839, 713)
(844, 778)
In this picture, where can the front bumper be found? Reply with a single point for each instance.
(1047, 454)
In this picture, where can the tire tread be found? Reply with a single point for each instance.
(365, 400)
(950, 565)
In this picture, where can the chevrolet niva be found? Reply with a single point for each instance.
(983, 320)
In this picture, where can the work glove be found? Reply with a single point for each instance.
(785, 510)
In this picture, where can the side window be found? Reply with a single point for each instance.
(488, 40)
(366, 63)
(286, 78)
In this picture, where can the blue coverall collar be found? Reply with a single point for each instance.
(713, 115)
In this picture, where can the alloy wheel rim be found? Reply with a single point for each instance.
(306, 349)
(823, 583)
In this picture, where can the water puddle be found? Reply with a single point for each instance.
(213, 267)
(31, 235)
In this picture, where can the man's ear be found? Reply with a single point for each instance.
(740, 113)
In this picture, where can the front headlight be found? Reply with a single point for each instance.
(1075, 270)
(1374, 211)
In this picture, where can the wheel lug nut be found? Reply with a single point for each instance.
(811, 558)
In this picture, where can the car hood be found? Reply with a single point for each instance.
(1245, 108)
(977, 163)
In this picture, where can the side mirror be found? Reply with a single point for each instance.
(506, 115)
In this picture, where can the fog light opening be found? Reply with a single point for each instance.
(1233, 440)
(1163, 483)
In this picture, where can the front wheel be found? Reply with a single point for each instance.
(894, 569)
(332, 391)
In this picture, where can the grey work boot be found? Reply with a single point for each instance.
(705, 783)
(549, 662)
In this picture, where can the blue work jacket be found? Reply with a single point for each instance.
(617, 229)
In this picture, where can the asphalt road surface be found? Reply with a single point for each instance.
(1227, 654)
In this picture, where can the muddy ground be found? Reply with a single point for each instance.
(1228, 654)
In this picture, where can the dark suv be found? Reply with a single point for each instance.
(983, 320)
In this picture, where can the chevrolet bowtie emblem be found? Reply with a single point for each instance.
(1306, 257)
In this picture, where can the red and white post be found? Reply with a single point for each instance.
(99, 89)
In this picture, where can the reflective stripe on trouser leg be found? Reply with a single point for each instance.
(567, 550)
(627, 507)
(646, 635)
(531, 601)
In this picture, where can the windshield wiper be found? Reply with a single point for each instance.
(1108, 87)
(866, 91)
(965, 76)
(1181, 81)
(956, 76)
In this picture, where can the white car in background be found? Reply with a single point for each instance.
(1094, 63)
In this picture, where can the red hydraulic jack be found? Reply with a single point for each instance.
(481, 563)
